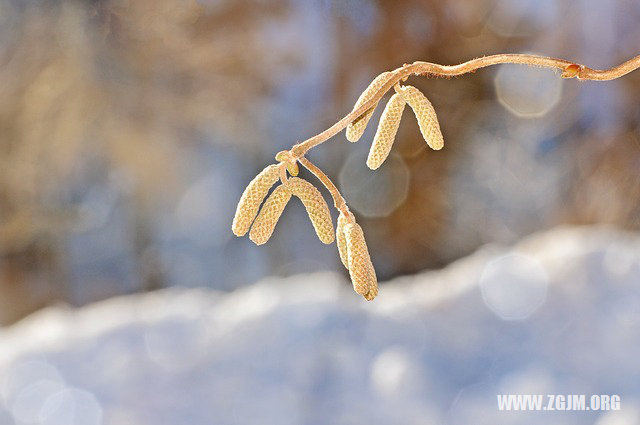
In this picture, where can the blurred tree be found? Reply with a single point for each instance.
(115, 115)
(112, 89)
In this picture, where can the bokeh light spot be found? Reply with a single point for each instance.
(627, 416)
(24, 374)
(527, 92)
(514, 286)
(176, 343)
(390, 371)
(71, 406)
(620, 261)
(374, 193)
(27, 404)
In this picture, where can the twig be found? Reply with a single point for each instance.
(338, 200)
(569, 70)
(349, 237)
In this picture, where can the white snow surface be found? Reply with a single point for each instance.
(558, 313)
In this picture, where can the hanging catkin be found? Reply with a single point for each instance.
(426, 116)
(363, 275)
(386, 133)
(316, 207)
(357, 127)
(341, 240)
(269, 215)
(251, 199)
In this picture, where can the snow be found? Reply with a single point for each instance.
(558, 313)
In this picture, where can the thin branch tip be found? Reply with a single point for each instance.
(567, 68)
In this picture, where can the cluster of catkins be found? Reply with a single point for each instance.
(261, 221)
(390, 119)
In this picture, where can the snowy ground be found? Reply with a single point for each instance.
(557, 314)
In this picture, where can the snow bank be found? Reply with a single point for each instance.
(557, 314)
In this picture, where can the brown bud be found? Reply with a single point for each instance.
(571, 71)
(292, 168)
(292, 165)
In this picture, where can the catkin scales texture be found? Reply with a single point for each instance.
(251, 199)
(316, 207)
(426, 116)
(363, 275)
(270, 213)
(356, 128)
(341, 240)
(386, 133)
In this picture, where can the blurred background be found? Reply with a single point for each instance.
(128, 130)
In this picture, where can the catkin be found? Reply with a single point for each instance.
(363, 275)
(357, 127)
(270, 213)
(426, 116)
(251, 199)
(386, 133)
(341, 240)
(316, 207)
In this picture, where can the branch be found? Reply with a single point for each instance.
(349, 237)
(338, 200)
(569, 70)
